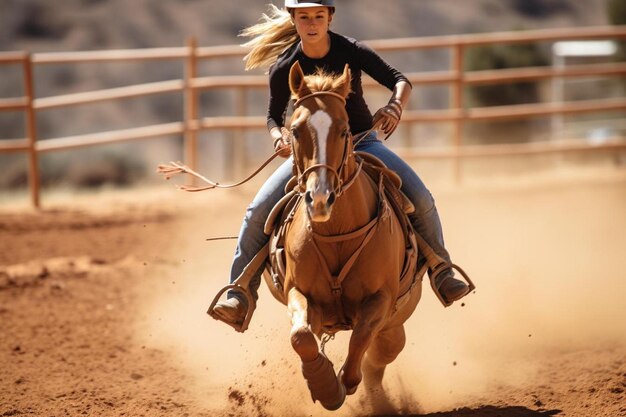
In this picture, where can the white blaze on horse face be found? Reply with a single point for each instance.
(321, 122)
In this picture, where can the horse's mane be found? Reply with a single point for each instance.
(323, 81)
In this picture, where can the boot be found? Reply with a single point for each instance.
(232, 310)
(452, 289)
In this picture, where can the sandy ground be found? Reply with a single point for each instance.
(103, 299)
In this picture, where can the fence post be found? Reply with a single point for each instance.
(457, 103)
(31, 132)
(191, 110)
(410, 129)
(239, 134)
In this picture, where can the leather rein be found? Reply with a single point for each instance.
(179, 168)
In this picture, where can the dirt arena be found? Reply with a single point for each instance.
(103, 300)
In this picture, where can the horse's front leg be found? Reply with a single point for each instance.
(371, 319)
(302, 337)
(316, 368)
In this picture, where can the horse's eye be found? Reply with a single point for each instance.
(294, 133)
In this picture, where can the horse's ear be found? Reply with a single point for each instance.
(296, 81)
(345, 81)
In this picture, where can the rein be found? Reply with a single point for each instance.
(178, 168)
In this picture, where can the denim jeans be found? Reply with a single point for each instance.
(425, 219)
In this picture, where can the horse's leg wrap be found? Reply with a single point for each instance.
(323, 383)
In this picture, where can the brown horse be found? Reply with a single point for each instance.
(344, 248)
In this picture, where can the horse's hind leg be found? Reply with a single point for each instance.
(316, 368)
(372, 317)
(384, 349)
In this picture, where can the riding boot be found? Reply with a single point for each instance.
(233, 310)
(450, 288)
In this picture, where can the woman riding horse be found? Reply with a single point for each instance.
(300, 33)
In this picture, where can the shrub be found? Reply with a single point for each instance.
(540, 8)
(81, 169)
(502, 57)
(616, 10)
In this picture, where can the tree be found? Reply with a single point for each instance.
(616, 10)
(502, 57)
(540, 8)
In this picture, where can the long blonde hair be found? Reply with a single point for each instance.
(270, 37)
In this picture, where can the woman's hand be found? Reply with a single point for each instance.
(388, 117)
(282, 144)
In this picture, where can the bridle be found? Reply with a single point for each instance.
(340, 187)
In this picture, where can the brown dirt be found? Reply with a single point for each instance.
(103, 299)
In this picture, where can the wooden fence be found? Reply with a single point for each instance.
(456, 78)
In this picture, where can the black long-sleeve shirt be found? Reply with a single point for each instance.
(343, 50)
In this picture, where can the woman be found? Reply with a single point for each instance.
(301, 33)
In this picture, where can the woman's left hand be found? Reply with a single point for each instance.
(388, 117)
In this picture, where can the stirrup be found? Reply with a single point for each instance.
(240, 327)
(438, 270)
(241, 284)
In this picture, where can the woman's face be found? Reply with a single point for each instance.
(312, 23)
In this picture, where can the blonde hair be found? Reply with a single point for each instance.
(270, 37)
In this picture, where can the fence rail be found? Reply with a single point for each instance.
(191, 85)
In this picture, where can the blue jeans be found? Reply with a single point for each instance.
(425, 219)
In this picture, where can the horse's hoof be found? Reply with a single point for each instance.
(349, 390)
(339, 403)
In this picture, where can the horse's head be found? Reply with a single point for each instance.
(320, 136)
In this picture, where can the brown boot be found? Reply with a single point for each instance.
(232, 310)
(452, 289)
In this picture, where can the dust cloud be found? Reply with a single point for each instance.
(547, 258)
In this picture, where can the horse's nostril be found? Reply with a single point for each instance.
(308, 198)
(331, 199)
